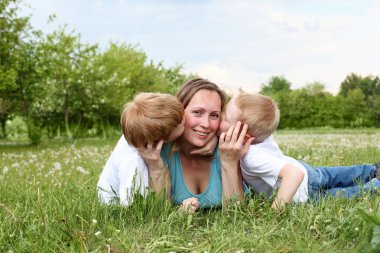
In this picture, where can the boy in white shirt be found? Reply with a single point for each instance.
(267, 170)
(149, 118)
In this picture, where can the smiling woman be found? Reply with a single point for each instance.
(199, 181)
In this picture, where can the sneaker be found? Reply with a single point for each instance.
(377, 166)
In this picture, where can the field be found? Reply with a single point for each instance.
(48, 203)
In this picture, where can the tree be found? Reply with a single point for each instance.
(61, 59)
(13, 32)
(368, 85)
(275, 85)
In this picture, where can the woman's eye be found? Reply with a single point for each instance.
(196, 113)
(215, 116)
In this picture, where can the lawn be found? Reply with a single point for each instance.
(48, 203)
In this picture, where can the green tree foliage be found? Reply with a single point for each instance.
(366, 110)
(61, 59)
(13, 31)
(275, 85)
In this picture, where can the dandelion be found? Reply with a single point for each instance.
(16, 165)
(5, 170)
(82, 170)
(57, 166)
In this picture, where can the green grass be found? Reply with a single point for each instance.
(48, 203)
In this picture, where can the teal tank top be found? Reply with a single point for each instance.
(211, 197)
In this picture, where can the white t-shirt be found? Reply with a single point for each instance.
(261, 167)
(124, 174)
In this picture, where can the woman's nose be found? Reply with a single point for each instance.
(205, 122)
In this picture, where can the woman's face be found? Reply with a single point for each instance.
(202, 117)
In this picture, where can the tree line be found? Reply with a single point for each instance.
(57, 85)
(356, 105)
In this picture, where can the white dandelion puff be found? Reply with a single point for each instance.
(5, 170)
(57, 166)
(82, 170)
(16, 165)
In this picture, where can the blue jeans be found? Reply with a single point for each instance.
(343, 181)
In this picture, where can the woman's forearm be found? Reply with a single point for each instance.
(232, 183)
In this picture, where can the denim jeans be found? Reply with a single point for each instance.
(343, 181)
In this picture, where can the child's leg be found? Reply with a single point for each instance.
(353, 191)
(339, 176)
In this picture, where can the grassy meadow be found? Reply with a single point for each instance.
(48, 203)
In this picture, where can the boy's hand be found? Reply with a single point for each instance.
(190, 205)
(207, 149)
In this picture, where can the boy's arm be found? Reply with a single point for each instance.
(291, 179)
(159, 176)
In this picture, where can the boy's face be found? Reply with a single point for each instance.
(177, 132)
(229, 117)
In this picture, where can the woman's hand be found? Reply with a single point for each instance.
(232, 146)
(207, 149)
(151, 155)
(190, 205)
(158, 173)
(231, 150)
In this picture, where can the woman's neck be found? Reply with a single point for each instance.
(185, 147)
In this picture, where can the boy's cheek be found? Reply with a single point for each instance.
(222, 128)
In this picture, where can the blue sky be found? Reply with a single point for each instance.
(236, 43)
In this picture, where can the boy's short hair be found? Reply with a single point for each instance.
(260, 113)
(150, 117)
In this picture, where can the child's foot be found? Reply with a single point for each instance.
(377, 166)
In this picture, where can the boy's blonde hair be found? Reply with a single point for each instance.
(260, 113)
(150, 117)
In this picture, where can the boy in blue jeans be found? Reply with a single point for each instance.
(267, 170)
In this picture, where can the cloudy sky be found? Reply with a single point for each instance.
(236, 43)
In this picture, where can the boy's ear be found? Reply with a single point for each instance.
(246, 137)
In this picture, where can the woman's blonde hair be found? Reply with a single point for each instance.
(150, 117)
(260, 113)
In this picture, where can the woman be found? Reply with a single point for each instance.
(196, 180)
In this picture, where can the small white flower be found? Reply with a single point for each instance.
(57, 166)
(98, 233)
(190, 244)
(94, 222)
(5, 170)
(16, 165)
(82, 170)
(356, 229)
